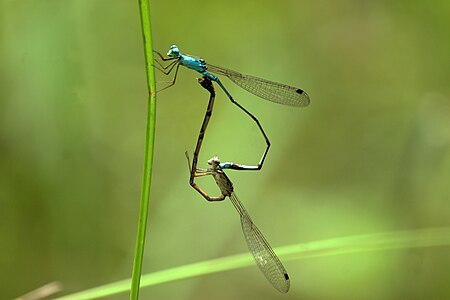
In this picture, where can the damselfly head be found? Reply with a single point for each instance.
(215, 161)
(174, 51)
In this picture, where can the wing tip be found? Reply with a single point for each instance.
(284, 288)
(304, 98)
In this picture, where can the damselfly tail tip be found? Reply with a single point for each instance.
(206, 83)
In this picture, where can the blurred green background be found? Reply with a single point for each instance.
(370, 154)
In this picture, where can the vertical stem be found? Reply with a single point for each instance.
(144, 8)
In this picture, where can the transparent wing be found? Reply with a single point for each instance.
(266, 89)
(267, 261)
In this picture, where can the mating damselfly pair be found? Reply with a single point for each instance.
(266, 259)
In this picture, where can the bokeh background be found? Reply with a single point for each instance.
(370, 154)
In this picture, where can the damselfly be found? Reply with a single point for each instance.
(266, 89)
(266, 259)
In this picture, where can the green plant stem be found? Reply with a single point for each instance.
(407, 239)
(144, 9)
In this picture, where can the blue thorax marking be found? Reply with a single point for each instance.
(196, 64)
(225, 165)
